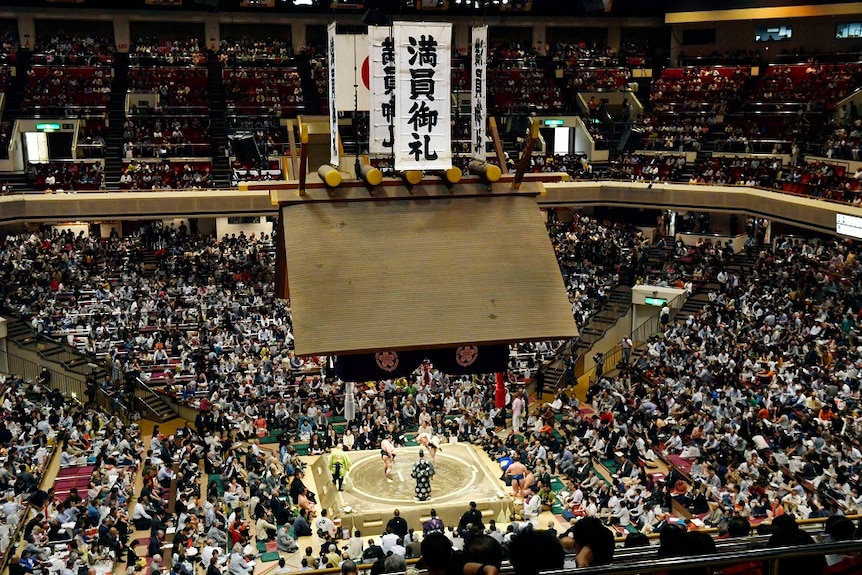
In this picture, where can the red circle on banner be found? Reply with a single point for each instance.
(366, 73)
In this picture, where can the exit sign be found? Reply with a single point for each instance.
(555, 122)
(656, 301)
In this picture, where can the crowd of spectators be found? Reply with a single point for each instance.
(67, 177)
(251, 171)
(815, 86)
(152, 51)
(161, 137)
(259, 90)
(178, 88)
(742, 171)
(689, 89)
(753, 397)
(682, 133)
(566, 56)
(64, 527)
(512, 56)
(647, 168)
(525, 90)
(845, 141)
(64, 90)
(575, 165)
(166, 175)
(67, 50)
(241, 52)
(9, 46)
(823, 180)
(599, 80)
(594, 256)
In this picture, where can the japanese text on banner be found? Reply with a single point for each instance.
(479, 106)
(333, 108)
(423, 106)
(382, 112)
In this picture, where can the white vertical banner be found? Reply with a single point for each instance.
(423, 92)
(334, 158)
(351, 77)
(479, 93)
(381, 54)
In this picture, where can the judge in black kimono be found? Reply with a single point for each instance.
(422, 472)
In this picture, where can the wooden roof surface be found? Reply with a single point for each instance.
(422, 273)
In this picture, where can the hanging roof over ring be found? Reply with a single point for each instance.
(423, 272)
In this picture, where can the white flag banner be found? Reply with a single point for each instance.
(423, 108)
(352, 54)
(381, 53)
(479, 92)
(334, 158)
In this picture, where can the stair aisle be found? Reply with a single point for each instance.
(618, 303)
(14, 96)
(15, 93)
(310, 97)
(218, 128)
(116, 119)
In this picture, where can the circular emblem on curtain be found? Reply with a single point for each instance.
(466, 355)
(386, 360)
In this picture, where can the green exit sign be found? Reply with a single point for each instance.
(47, 127)
(554, 122)
(656, 301)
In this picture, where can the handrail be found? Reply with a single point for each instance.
(16, 536)
(678, 563)
(148, 392)
(639, 336)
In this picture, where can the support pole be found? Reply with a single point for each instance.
(524, 164)
(498, 145)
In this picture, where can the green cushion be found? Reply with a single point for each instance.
(261, 546)
(216, 478)
(267, 557)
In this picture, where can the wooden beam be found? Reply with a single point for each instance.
(526, 156)
(303, 159)
(282, 287)
(498, 145)
(294, 156)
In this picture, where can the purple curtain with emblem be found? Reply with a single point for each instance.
(461, 360)
(471, 359)
(377, 366)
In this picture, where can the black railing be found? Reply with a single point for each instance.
(769, 557)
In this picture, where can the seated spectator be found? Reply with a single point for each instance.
(594, 543)
(531, 552)
(788, 534)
